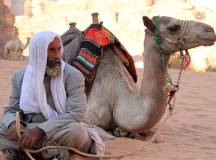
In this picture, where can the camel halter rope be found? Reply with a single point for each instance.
(181, 40)
(185, 28)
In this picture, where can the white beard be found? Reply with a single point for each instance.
(54, 71)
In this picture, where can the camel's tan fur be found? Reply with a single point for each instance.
(115, 100)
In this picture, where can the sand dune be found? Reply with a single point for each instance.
(190, 134)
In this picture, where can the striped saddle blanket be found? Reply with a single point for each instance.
(96, 37)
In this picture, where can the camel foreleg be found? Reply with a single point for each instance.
(103, 133)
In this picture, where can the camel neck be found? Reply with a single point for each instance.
(154, 69)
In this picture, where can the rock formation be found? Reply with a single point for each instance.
(7, 28)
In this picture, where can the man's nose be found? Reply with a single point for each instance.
(57, 54)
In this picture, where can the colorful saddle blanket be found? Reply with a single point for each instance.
(96, 37)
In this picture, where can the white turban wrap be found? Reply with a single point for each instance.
(33, 95)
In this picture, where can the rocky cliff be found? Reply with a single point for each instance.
(7, 28)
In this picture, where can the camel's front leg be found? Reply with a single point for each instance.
(119, 132)
(103, 133)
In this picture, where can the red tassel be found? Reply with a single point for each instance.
(186, 61)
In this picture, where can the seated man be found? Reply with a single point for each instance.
(49, 95)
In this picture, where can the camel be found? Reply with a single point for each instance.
(115, 99)
(14, 48)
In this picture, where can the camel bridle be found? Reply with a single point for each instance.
(182, 36)
(184, 30)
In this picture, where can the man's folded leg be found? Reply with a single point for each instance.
(72, 135)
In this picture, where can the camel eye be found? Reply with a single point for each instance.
(174, 28)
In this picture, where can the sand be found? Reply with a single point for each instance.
(190, 134)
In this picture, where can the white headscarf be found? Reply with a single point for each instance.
(33, 95)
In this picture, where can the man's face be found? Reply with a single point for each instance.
(53, 68)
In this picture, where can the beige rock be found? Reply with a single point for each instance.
(7, 29)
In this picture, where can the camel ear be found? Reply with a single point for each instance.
(149, 24)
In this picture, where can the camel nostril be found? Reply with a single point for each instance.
(209, 29)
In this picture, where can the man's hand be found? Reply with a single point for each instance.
(11, 133)
(31, 137)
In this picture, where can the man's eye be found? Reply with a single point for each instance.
(52, 49)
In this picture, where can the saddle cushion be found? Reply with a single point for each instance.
(95, 38)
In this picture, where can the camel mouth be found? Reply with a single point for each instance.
(203, 42)
(211, 39)
(212, 43)
(208, 42)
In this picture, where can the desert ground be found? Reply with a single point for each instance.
(190, 134)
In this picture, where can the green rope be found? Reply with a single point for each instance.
(158, 38)
(168, 77)
(162, 56)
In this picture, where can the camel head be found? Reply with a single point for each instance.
(175, 35)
